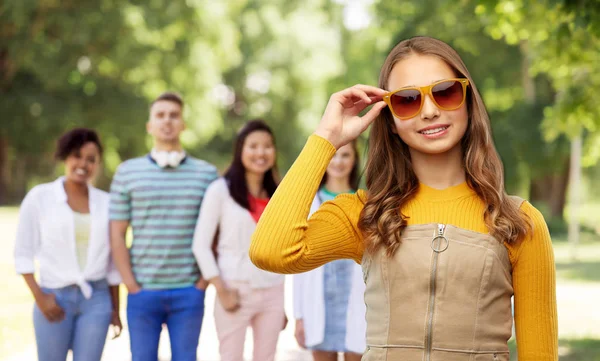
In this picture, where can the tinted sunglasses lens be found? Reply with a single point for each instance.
(406, 103)
(449, 94)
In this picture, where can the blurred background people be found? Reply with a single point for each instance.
(246, 295)
(328, 301)
(63, 226)
(159, 196)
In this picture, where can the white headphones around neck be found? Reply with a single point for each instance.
(167, 159)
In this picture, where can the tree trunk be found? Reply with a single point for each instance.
(3, 170)
(559, 191)
(574, 194)
(19, 178)
(526, 80)
(5, 75)
(551, 189)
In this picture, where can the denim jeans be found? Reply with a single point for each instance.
(181, 309)
(337, 282)
(84, 328)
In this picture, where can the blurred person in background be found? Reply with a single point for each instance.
(246, 295)
(159, 196)
(328, 301)
(64, 226)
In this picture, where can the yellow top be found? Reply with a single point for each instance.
(285, 242)
(82, 237)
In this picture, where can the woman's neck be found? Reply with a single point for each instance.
(76, 189)
(254, 182)
(439, 171)
(338, 185)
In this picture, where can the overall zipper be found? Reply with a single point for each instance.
(435, 245)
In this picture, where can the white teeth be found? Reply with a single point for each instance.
(433, 131)
(80, 171)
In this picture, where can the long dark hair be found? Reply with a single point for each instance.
(354, 175)
(236, 174)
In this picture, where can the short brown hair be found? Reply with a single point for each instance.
(169, 96)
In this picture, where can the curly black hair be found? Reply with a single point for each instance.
(74, 139)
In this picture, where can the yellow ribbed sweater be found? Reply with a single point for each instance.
(286, 242)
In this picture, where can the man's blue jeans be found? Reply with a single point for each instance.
(181, 309)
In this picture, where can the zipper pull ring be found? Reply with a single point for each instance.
(440, 243)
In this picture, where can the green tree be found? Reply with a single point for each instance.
(289, 54)
(494, 65)
(567, 53)
(96, 64)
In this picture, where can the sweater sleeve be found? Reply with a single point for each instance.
(534, 282)
(28, 238)
(284, 241)
(298, 283)
(206, 227)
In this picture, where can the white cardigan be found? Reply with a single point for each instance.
(46, 231)
(309, 305)
(236, 226)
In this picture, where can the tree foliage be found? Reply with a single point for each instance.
(563, 42)
(97, 63)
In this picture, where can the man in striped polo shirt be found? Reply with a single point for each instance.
(159, 195)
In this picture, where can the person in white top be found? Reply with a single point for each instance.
(246, 295)
(64, 225)
(328, 301)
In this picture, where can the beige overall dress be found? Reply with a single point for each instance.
(445, 295)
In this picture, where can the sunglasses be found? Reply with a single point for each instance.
(407, 102)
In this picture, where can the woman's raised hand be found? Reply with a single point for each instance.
(341, 122)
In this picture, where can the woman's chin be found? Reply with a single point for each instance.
(78, 179)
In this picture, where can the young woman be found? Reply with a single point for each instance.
(64, 224)
(246, 295)
(328, 301)
(442, 246)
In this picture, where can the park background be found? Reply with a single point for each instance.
(98, 63)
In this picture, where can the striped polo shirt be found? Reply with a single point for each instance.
(162, 205)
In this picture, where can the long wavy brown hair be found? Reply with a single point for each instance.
(392, 182)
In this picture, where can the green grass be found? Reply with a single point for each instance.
(10, 211)
(569, 350)
(588, 215)
(16, 328)
(587, 249)
(579, 271)
(579, 350)
(581, 264)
